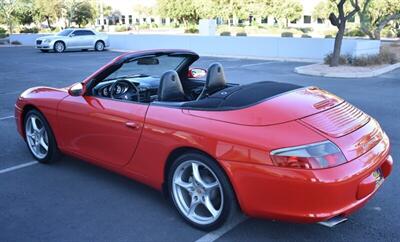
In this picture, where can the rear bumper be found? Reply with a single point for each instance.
(308, 196)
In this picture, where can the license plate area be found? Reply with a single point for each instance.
(378, 176)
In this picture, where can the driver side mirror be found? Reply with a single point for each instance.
(197, 73)
(76, 90)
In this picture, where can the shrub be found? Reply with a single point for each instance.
(356, 32)
(343, 59)
(27, 30)
(328, 36)
(287, 34)
(388, 33)
(305, 36)
(16, 42)
(306, 30)
(384, 57)
(121, 28)
(3, 33)
(192, 30)
(241, 34)
(225, 33)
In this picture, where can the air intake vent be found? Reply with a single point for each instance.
(338, 121)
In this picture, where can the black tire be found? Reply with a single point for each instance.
(53, 153)
(99, 46)
(44, 51)
(59, 50)
(229, 207)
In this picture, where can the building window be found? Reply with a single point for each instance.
(320, 20)
(123, 19)
(130, 19)
(307, 19)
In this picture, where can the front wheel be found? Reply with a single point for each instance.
(59, 47)
(39, 137)
(200, 191)
(99, 46)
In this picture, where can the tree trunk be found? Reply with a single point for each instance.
(338, 45)
(377, 34)
(287, 23)
(48, 22)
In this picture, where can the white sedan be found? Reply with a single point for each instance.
(73, 39)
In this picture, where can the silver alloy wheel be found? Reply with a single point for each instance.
(99, 46)
(36, 136)
(197, 192)
(59, 47)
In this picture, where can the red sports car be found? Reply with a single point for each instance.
(274, 150)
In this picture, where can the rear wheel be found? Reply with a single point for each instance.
(59, 47)
(200, 191)
(99, 46)
(40, 138)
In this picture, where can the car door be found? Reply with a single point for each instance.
(75, 40)
(88, 38)
(103, 130)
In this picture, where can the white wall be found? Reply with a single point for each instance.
(248, 47)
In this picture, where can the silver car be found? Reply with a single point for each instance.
(73, 39)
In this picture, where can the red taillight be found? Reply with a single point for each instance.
(314, 156)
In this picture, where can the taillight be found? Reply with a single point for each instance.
(313, 156)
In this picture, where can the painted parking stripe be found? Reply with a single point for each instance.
(258, 64)
(214, 235)
(17, 167)
(8, 117)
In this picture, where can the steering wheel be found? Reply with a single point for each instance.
(128, 94)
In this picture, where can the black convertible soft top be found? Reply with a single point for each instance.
(242, 96)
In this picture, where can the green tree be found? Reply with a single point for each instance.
(80, 12)
(340, 22)
(288, 10)
(185, 11)
(48, 10)
(376, 14)
(8, 11)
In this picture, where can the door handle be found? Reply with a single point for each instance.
(132, 125)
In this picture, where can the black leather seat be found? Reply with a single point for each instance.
(215, 80)
(171, 89)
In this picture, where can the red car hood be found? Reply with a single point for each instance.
(293, 105)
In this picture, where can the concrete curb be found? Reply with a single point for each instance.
(307, 70)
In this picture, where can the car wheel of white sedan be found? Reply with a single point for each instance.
(200, 191)
(59, 47)
(99, 46)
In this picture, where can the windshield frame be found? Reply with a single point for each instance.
(177, 65)
(68, 31)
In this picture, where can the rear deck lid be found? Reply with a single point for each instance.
(339, 120)
(285, 107)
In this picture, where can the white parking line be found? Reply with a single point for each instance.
(258, 64)
(13, 168)
(8, 117)
(214, 235)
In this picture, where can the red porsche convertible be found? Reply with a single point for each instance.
(273, 150)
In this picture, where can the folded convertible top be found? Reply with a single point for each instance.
(242, 96)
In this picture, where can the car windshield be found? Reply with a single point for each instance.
(65, 32)
(147, 66)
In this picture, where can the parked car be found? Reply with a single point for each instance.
(274, 150)
(73, 39)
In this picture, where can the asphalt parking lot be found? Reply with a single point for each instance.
(74, 201)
